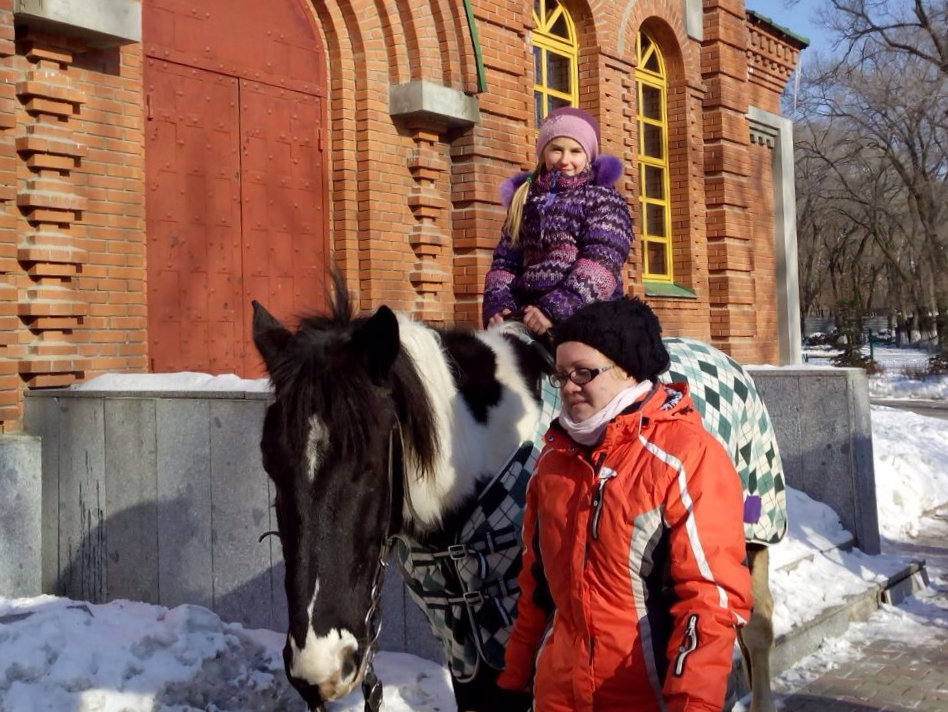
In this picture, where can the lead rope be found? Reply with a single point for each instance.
(371, 685)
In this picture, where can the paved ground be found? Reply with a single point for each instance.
(930, 408)
(894, 662)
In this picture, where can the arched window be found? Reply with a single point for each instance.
(554, 59)
(651, 86)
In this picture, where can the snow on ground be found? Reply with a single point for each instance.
(901, 366)
(911, 623)
(58, 655)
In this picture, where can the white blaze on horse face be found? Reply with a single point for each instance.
(322, 658)
(315, 444)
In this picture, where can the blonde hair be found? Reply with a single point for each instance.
(515, 209)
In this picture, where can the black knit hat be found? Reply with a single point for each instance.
(625, 330)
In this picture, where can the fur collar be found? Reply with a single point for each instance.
(606, 171)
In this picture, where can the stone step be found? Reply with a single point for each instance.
(806, 637)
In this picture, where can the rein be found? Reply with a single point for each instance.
(371, 685)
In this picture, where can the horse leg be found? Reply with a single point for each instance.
(475, 694)
(757, 637)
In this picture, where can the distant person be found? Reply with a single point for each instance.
(568, 231)
(633, 582)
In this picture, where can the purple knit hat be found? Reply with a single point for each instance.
(572, 123)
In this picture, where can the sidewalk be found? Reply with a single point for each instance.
(896, 660)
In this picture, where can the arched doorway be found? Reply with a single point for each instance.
(236, 205)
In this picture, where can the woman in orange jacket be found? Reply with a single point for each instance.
(633, 581)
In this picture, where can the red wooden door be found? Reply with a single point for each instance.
(236, 201)
(193, 224)
(282, 195)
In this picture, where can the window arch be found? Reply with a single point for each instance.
(651, 84)
(555, 53)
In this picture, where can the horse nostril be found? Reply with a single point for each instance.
(309, 693)
(350, 664)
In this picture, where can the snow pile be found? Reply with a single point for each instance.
(57, 655)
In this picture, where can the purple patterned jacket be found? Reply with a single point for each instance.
(575, 236)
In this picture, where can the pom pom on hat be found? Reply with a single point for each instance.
(572, 123)
(626, 331)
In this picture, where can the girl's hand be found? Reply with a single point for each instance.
(536, 321)
(498, 318)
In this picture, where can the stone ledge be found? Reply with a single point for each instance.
(102, 23)
(432, 103)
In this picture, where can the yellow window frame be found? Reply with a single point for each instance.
(648, 54)
(546, 40)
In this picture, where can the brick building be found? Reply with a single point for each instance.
(163, 163)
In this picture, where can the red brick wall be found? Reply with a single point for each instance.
(414, 209)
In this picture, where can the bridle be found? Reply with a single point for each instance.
(371, 685)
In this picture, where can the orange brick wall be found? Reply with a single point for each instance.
(111, 177)
(414, 208)
(72, 236)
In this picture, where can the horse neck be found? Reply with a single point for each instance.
(431, 495)
(471, 446)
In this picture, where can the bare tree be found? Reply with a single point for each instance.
(915, 28)
(876, 118)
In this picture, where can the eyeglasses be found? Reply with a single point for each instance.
(579, 376)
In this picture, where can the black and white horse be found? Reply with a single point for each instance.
(383, 426)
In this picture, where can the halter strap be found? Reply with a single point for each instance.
(398, 494)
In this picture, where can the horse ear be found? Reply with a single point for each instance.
(377, 343)
(269, 335)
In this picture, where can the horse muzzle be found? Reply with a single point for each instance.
(332, 684)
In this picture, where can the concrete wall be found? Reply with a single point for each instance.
(20, 559)
(161, 497)
(821, 417)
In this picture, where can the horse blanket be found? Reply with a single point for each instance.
(469, 591)
(734, 413)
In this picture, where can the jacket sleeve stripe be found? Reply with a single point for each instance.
(646, 532)
(690, 526)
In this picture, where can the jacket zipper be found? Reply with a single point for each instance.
(602, 478)
(688, 644)
(603, 475)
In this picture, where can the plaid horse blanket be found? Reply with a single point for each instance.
(469, 591)
(734, 413)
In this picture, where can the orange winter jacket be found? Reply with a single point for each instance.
(633, 579)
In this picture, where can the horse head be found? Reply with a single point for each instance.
(327, 447)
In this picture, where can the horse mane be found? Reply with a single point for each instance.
(298, 383)
(416, 415)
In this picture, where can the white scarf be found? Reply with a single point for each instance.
(589, 431)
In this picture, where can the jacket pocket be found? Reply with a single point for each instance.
(688, 644)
